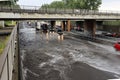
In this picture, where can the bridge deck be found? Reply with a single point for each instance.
(54, 13)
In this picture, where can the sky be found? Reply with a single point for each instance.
(106, 4)
(110, 5)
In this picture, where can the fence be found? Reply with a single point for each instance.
(7, 57)
(38, 9)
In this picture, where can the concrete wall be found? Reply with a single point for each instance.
(7, 57)
(2, 24)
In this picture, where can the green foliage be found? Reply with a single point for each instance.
(55, 4)
(2, 46)
(3, 41)
(112, 23)
(76, 4)
(11, 3)
(92, 4)
(1, 27)
(10, 23)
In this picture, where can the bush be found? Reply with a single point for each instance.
(1, 27)
(3, 42)
(10, 23)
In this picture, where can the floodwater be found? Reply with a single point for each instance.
(53, 57)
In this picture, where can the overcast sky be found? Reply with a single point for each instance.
(106, 4)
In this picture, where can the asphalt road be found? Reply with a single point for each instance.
(51, 57)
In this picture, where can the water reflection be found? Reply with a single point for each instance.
(45, 36)
(60, 37)
(52, 36)
(52, 32)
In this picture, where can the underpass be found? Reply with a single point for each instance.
(47, 57)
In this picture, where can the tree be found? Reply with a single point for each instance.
(11, 3)
(8, 2)
(45, 6)
(55, 4)
(92, 4)
(78, 4)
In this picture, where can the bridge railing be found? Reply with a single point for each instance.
(7, 57)
(37, 9)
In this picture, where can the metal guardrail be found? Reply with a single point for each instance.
(7, 57)
(37, 9)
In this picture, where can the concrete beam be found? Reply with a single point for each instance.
(38, 16)
(64, 25)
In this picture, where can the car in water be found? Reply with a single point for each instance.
(117, 35)
(38, 26)
(44, 28)
(59, 31)
(117, 46)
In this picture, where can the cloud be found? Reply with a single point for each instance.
(35, 2)
(110, 5)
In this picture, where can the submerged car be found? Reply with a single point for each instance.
(117, 46)
(59, 31)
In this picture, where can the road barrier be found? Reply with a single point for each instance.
(7, 57)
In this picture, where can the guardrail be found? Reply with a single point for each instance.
(7, 57)
(38, 9)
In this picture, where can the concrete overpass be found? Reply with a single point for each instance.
(31, 12)
(65, 15)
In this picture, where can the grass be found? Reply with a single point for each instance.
(1, 27)
(3, 42)
(113, 23)
(10, 23)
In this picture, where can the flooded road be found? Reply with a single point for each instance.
(53, 57)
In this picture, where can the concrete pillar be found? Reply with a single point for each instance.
(2, 25)
(90, 27)
(68, 26)
(64, 25)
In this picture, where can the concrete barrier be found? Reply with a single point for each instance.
(2, 24)
(7, 57)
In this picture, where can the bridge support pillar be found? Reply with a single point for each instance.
(63, 25)
(2, 24)
(90, 27)
(68, 26)
(52, 24)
